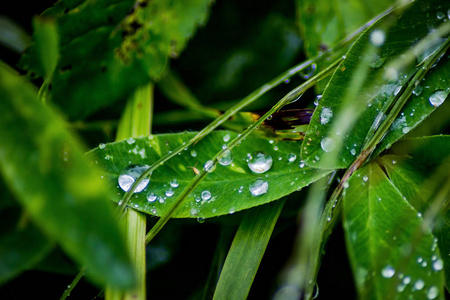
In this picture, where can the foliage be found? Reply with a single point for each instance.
(373, 145)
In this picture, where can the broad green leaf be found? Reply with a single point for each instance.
(365, 85)
(246, 252)
(226, 190)
(420, 171)
(107, 49)
(22, 245)
(45, 168)
(392, 251)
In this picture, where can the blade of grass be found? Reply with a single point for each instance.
(246, 251)
(135, 122)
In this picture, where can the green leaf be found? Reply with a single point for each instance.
(392, 251)
(420, 171)
(224, 191)
(365, 85)
(46, 41)
(107, 49)
(45, 168)
(246, 252)
(22, 245)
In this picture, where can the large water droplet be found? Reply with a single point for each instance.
(377, 37)
(327, 144)
(433, 292)
(260, 162)
(169, 193)
(226, 158)
(388, 271)
(292, 157)
(206, 195)
(209, 166)
(438, 97)
(226, 137)
(152, 197)
(438, 265)
(128, 177)
(325, 115)
(259, 187)
(174, 183)
(193, 153)
(419, 284)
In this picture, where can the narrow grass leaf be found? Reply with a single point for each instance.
(45, 168)
(246, 252)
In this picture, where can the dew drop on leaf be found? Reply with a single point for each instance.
(209, 166)
(307, 72)
(226, 137)
(152, 197)
(438, 97)
(325, 115)
(226, 158)
(174, 183)
(317, 100)
(102, 146)
(206, 195)
(433, 292)
(388, 271)
(260, 162)
(130, 140)
(377, 37)
(292, 157)
(438, 265)
(127, 178)
(418, 90)
(419, 284)
(327, 144)
(259, 187)
(169, 193)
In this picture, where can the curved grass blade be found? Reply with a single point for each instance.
(246, 252)
(391, 249)
(45, 167)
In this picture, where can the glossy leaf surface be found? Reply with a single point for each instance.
(45, 168)
(365, 85)
(114, 48)
(231, 187)
(393, 253)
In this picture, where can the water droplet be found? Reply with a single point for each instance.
(127, 178)
(260, 162)
(292, 157)
(376, 61)
(206, 195)
(327, 144)
(440, 15)
(438, 265)
(325, 115)
(317, 100)
(405, 130)
(418, 90)
(152, 197)
(130, 141)
(193, 153)
(169, 193)
(365, 178)
(209, 166)
(419, 284)
(201, 220)
(406, 280)
(269, 118)
(377, 37)
(275, 148)
(433, 292)
(307, 72)
(388, 271)
(102, 146)
(397, 90)
(353, 152)
(174, 183)
(259, 187)
(226, 158)
(438, 97)
(226, 137)
(301, 164)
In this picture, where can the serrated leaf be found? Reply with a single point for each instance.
(362, 88)
(224, 191)
(107, 49)
(45, 168)
(392, 251)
